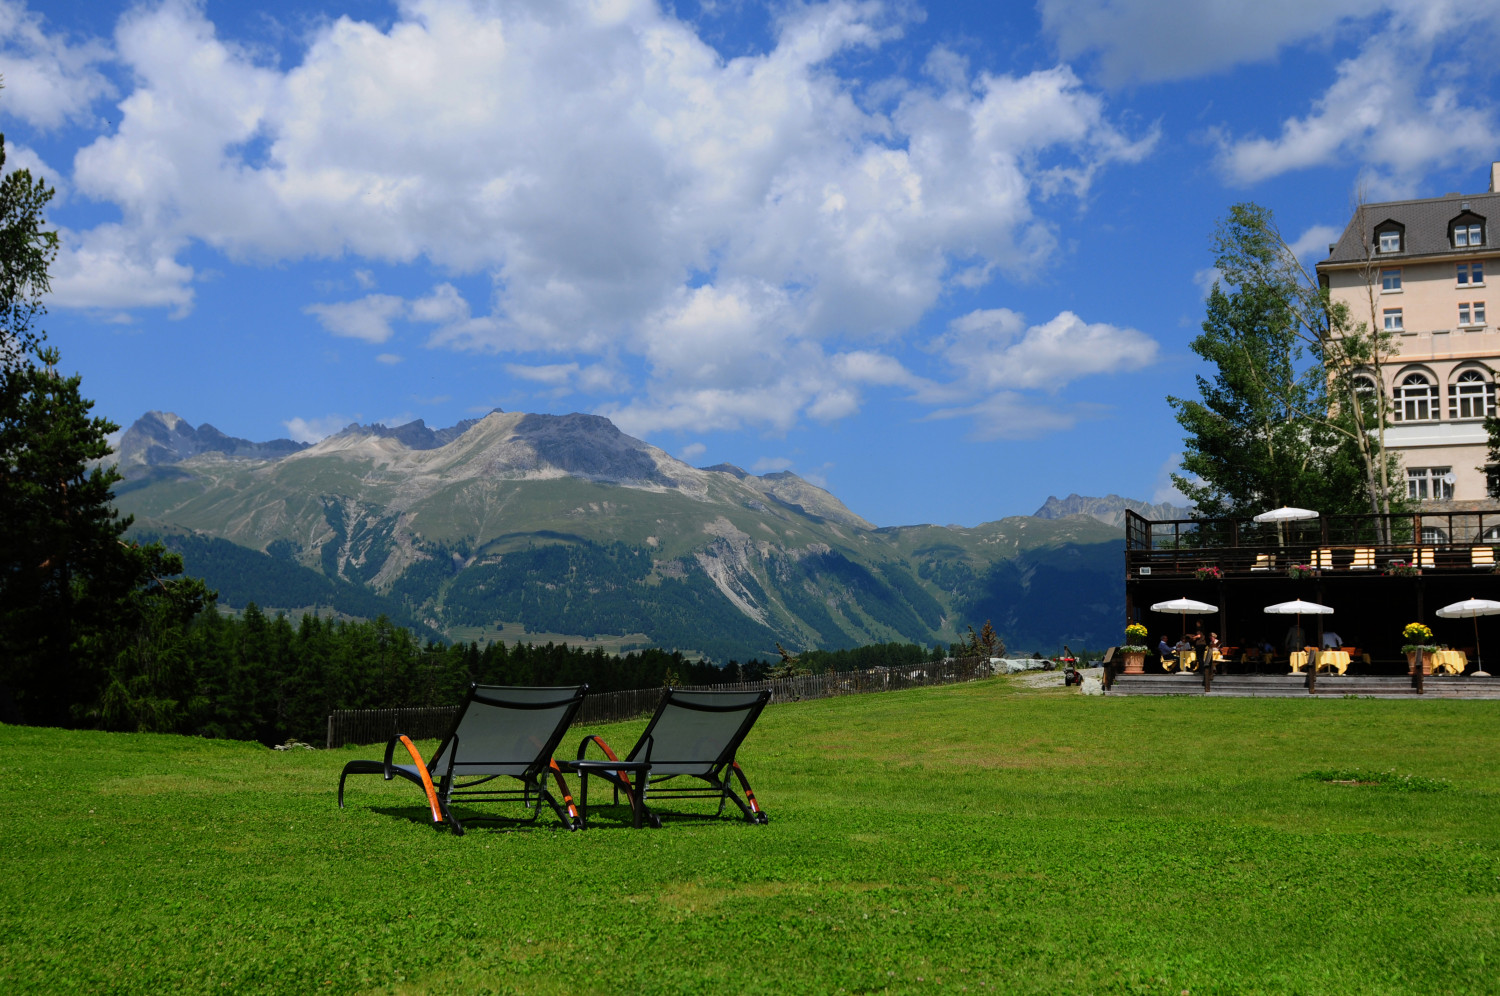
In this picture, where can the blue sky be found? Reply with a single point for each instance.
(943, 259)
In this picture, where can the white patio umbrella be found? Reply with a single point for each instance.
(1286, 514)
(1183, 606)
(1282, 515)
(1299, 608)
(1472, 608)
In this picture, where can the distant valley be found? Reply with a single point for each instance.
(563, 525)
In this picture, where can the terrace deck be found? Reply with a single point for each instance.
(1295, 686)
(1377, 572)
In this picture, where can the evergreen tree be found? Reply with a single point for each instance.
(75, 600)
(1265, 431)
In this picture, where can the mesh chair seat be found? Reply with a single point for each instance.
(695, 734)
(498, 731)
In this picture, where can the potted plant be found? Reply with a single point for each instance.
(1135, 649)
(1418, 637)
(1402, 569)
(1299, 571)
(1208, 574)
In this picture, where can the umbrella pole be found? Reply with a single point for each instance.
(1480, 672)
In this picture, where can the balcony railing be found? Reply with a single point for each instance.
(1346, 544)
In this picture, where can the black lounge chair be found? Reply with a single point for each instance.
(692, 733)
(499, 730)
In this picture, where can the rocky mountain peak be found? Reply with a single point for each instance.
(160, 438)
(1110, 509)
(414, 435)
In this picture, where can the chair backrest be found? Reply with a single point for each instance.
(1482, 556)
(1422, 557)
(1264, 562)
(696, 732)
(1364, 559)
(1323, 558)
(507, 729)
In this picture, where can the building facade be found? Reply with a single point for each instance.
(1421, 269)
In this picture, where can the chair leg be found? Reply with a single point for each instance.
(358, 768)
(753, 811)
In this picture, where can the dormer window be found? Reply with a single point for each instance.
(1467, 231)
(1390, 241)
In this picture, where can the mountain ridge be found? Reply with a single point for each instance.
(566, 525)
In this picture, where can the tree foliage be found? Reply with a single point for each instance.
(26, 254)
(1281, 421)
(75, 599)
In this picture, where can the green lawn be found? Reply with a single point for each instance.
(970, 838)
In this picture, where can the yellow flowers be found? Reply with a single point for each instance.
(1417, 633)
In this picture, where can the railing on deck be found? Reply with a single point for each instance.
(1439, 541)
(373, 726)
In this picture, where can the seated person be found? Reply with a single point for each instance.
(1332, 641)
(1164, 650)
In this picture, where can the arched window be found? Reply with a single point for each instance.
(1415, 399)
(1471, 396)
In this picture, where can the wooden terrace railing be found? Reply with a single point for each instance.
(1447, 542)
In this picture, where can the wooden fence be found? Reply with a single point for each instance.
(373, 726)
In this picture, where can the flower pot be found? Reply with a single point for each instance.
(1135, 663)
(1411, 663)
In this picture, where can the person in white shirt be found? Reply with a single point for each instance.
(1332, 641)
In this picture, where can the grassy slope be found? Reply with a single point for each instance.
(970, 836)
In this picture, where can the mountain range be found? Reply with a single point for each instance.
(563, 525)
(1110, 509)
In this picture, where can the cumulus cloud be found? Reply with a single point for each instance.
(754, 229)
(1401, 106)
(389, 359)
(115, 266)
(691, 452)
(769, 465)
(312, 430)
(994, 349)
(1312, 245)
(49, 78)
(1148, 40)
(369, 318)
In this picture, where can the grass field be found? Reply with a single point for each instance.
(976, 838)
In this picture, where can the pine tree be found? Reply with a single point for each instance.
(75, 599)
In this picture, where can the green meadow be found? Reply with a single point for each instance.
(980, 838)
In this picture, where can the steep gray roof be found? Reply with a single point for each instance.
(1426, 223)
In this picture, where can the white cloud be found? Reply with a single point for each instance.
(1165, 489)
(1205, 279)
(564, 378)
(753, 228)
(113, 266)
(49, 79)
(1175, 39)
(770, 465)
(691, 452)
(18, 156)
(365, 279)
(994, 350)
(1013, 415)
(389, 359)
(368, 318)
(312, 430)
(1400, 106)
(1312, 245)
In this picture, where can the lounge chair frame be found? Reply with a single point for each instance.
(446, 769)
(715, 771)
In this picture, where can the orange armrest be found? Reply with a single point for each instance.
(584, 746)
